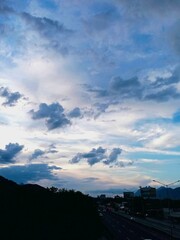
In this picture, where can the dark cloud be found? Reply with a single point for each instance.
(28, 173)
(160, 81)
(160, 8)
(91, 179)
(11, 150)
(57, 122)
(94, 156)
(4, 9)
(75, 113)
(162, 89)
(93, 160)
(77, 158)
(163, 95)
(54, 168)
(45, 26)
(175, 37)
(37, 153)
(52, 149)
(102, 106)
(97, 91)
(98, 155)
(113, 157)
(53, 113)
(53, 31)
(102, 20)
(126, 88)
(46, 111)
(173, 79)
(117, 89)
(11, 97)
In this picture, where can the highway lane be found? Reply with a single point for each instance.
(125, 229)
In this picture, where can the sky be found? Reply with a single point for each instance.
(90, 93)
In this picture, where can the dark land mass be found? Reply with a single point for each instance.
(32, 212)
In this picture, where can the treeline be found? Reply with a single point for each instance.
(33, 212)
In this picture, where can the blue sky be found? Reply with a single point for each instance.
(90, 93)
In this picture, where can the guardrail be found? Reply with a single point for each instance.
(168, 228)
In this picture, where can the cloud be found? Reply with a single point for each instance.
(167, 81)
(75, 113)
(11, 97)
(46, 111)
(45, 26)
(98, 155)
(77, 158)
(118, 89)
(53, 31)
(94, 156)
(102, 20)
(11, 150)
(126, 88)
(37, 153)
(5, 9)
(57, 122)
(53, 114)
(160, 8)
(113, 156)
(28, 173)
(175, 37)
(160, 89)
(163, 95)
(91, 179)
(99, 92)
(52, 149)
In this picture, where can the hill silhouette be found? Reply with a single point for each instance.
(32, 212)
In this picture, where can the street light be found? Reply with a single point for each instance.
(166, 185)
(168, 198)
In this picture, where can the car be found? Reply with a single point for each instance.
(132, 218)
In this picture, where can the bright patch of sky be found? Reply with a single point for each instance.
(90, 92)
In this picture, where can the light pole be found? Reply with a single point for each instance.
(166, 185)
(168, 198)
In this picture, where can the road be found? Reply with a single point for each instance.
(121, 228)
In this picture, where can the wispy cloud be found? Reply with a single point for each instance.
(37, 153)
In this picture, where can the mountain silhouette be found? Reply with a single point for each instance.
(163, 192)
(29, 211)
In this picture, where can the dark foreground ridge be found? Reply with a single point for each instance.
(32, 212)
